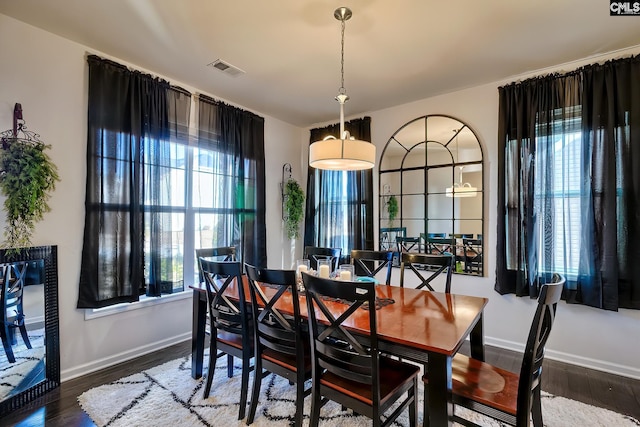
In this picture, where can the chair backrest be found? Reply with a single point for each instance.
(369, 263)
(272, 329)
(408, 244)
(228, 314)
(223, 253)
(314, 253)
(531, 369)
(13, 277)
(333, 347)
(431, 265)
(440, 245)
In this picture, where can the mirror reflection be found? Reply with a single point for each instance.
(22, 362)
(432, 170)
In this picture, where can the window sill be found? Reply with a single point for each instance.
(94, 313)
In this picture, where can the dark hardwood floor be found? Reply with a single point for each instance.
(60, 407)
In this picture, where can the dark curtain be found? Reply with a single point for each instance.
(327, 210)
(237, 138)
(566, 156)
(128, 112)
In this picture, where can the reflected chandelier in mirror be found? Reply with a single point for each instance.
(30, 360)
(433, 167)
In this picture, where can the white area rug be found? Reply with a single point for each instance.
(12, 374)
(166, 395)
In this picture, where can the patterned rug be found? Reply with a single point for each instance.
(166, 395)
(12, 374)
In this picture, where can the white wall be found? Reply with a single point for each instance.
(48, 76)
(599, 339)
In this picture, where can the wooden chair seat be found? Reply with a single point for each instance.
(486, 384)
(395, 375)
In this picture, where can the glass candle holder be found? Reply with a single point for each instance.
(346, 272)
(324, 268)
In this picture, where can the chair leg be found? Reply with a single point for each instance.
(244, 386)
(425, 408)
(25, 336)
(299, 401)
(213, 356)
(316, 403)
(255, 394)
(7, 347)
(536, 409)
(229, 365)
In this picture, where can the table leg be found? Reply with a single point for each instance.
(477, 340)
(198, 333)
(439, 391)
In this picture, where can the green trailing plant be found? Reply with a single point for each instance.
(392, 208)
(27, 176)
(293, 208)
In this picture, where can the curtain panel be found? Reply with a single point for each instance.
(237, 138)
(128, 112)
(569, 184)
(332, 220)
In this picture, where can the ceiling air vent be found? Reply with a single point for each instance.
(226, 68)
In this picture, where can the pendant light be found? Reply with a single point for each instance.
(346, 153)
(461, 189)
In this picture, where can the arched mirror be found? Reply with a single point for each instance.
(431, 191)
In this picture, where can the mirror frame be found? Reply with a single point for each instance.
(51, 324)
(406, 166)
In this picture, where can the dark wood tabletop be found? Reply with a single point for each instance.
(423, 326)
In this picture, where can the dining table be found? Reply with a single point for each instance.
(418, 325)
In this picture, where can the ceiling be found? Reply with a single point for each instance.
(395, 51)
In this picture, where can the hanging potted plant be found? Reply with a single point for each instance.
(392, 209)
(293, 208)
(27, 176)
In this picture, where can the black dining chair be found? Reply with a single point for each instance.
(426, 268)
(369, 263)
(315, 253)
(222, 253)
(346, 370)
(231, 323)
(13, 317)
(440, 245)
(281, 344)
(506, 396)
(472, 255)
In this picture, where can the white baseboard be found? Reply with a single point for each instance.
(599, 365)
(106, 362)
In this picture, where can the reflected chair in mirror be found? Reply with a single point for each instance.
(369, 263)
(222, 253)
(427, 268)
(231, 322)
(439, 245)
(13, 276)
(281, 344)
(506, 396)
(315, 253)
(472, 255)
(408, 244)
(348, 371)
